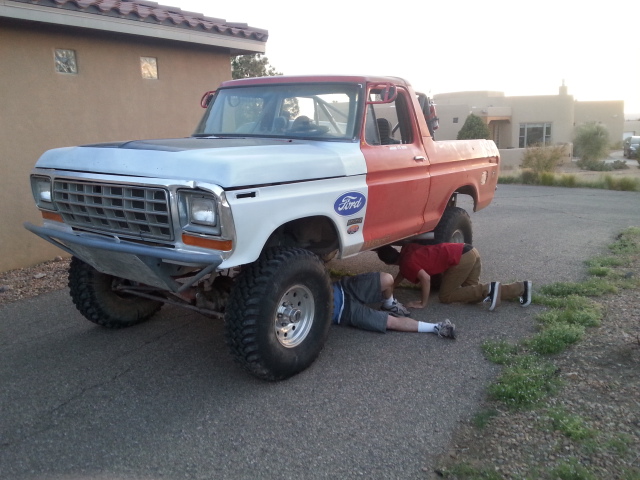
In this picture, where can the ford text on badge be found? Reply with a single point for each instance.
(349, 203)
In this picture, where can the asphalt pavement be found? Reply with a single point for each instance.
(164, 400)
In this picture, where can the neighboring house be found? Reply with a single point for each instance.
(518, 122)
(75, 72)
(631, 128)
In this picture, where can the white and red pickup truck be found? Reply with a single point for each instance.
(235, 221)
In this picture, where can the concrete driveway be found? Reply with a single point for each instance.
(164, 400)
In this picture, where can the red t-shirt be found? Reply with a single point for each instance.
(433, 259)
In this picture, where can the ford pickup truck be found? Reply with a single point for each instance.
(237, 221)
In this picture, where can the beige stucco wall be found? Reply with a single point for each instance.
(609, 113)
(554, 109)
(107, 101)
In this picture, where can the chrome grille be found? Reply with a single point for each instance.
(142, 212)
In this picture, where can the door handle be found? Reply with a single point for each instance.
(419, 158)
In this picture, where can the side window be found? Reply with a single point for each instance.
(389, 123)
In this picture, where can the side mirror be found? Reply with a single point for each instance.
(206, 98)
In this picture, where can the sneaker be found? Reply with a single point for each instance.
(525, 299)
(396, 309)
(493, 299)
(446, 329)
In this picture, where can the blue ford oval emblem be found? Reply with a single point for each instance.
(349, 203)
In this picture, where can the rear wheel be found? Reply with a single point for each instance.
(96, 298)
(454, 227)
(279, 313)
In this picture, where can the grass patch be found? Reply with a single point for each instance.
(482, 419)
(555, 337)
(592, 287)
(572, 470)
(499, 351)
(572, 426)
(525, 382)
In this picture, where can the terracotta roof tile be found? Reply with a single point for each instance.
(141, 10)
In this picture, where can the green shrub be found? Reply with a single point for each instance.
(593, 165)
(547, 179)
(529, 177)
(541, 158)
(619, 165)
(624, 184)
(591, 145)
(474, 127)
(567, 181)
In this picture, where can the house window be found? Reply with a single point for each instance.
(455, 119)
(149, 67)
(534, 134)
(65, 61)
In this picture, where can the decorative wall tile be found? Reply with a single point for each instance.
(149, 66)
(65, 61)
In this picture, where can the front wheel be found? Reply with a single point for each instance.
(96, 298)
(279, 313)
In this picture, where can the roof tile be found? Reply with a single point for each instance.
(153, 12)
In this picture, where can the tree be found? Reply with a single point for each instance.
(247, 66)
(591, 144)
(474, 127)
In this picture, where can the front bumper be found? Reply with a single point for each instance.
(151, 265)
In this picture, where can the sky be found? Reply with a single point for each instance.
(516, 47)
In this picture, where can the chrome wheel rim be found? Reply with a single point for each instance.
(294, 316)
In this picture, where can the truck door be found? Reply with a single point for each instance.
(398, 175)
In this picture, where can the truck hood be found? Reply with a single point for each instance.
(227, 162)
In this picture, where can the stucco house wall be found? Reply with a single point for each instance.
(610, 114)
(107, 100)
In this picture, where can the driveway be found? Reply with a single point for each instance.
(164, 400)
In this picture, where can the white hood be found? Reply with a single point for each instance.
(227, 162)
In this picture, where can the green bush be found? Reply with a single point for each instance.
(619, 165)
(474, 127)
(541, 158)
(567, 181)
(624, 184)
(592, 145)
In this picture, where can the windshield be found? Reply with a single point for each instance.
(310, 110)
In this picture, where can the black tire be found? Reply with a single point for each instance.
(94, 297)
(454, 227)
(279, 313)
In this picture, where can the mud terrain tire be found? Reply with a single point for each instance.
(279, 313)
(454, 227)
(93, 295)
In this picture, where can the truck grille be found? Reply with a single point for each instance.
(141, 212)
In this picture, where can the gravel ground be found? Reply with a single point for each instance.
(602, 386)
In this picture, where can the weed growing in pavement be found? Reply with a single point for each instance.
(499, 351)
